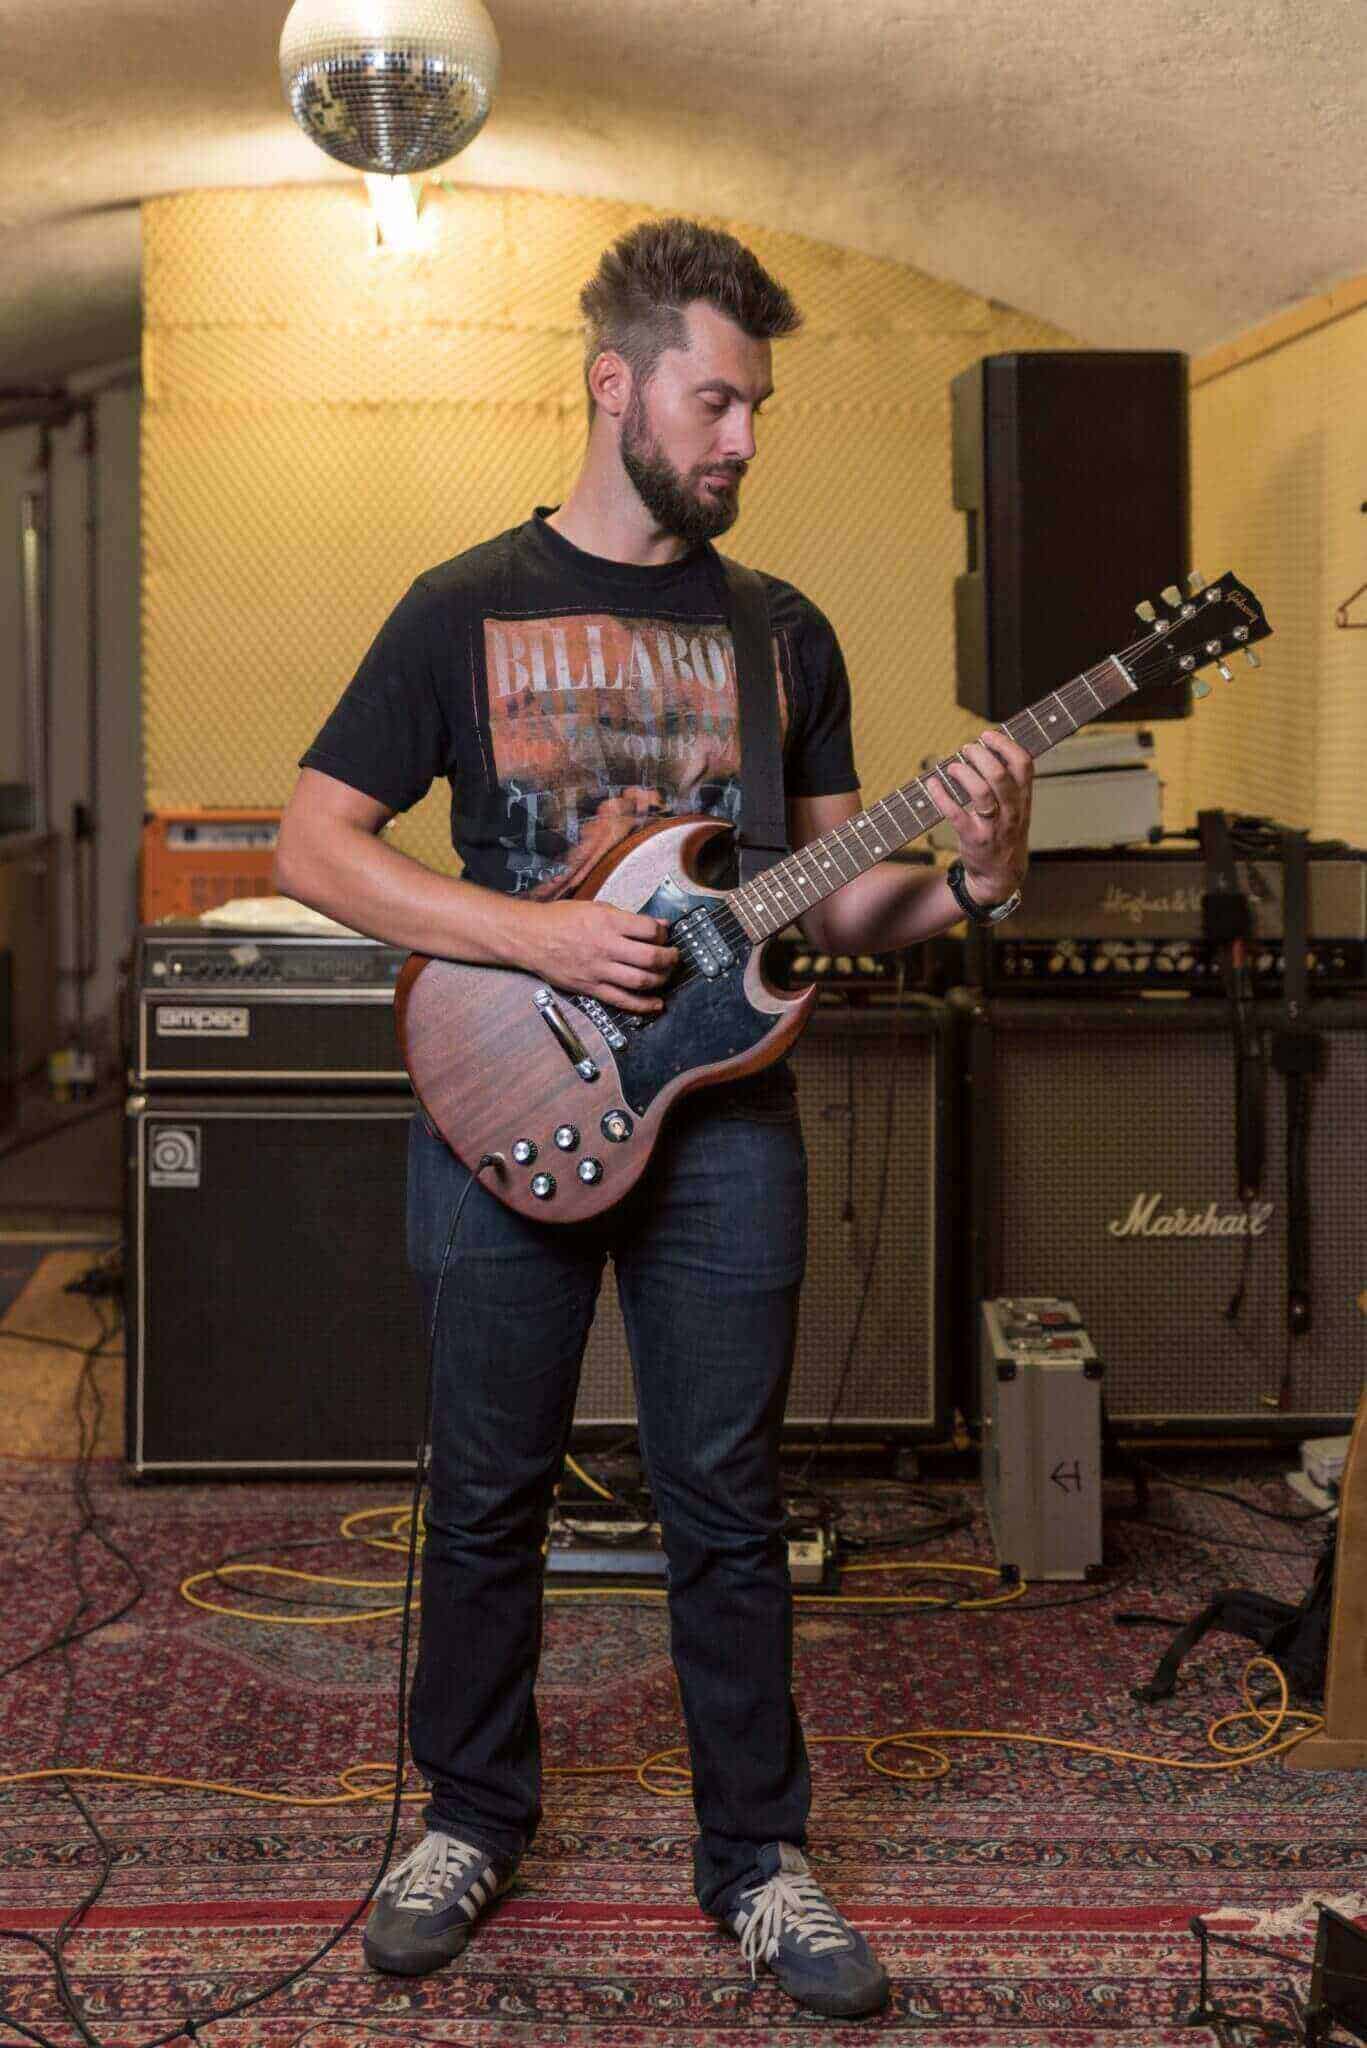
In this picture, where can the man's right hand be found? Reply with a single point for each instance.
(594, 949)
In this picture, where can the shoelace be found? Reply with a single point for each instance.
(427, 1872)
(798, 1903)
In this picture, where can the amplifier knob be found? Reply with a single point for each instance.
(524, 1151)
(566, 1137)
(1056, 963)
(590, 1170)
(821, 964)
(867, 964)
(1100, 963)
(844, 964)
(543, 1186)
(616, 1126)
(801, 963)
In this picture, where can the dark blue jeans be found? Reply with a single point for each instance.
(709, 1251)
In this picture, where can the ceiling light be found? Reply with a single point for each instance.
(389, 86)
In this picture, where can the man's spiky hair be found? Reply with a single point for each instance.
(634, 302)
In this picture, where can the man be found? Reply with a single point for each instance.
(573, 679)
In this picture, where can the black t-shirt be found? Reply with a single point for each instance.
(570, 699)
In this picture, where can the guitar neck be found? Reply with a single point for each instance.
(773, 899)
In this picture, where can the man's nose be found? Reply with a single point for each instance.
(739, 442)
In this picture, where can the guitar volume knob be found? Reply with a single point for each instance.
(543, 1186)
(524, 1151)
(566, 1137)
(590, 1170)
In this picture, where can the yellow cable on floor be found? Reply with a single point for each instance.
(1257, 1750)
(1262, 1744)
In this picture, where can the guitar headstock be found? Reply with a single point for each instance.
(1206, 627)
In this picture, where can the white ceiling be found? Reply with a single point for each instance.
(1144, 173)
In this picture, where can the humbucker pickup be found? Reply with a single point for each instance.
(701, 944)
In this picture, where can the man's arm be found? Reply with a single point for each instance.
(329, 855)
(891, 905)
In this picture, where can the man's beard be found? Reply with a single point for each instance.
(690, 515)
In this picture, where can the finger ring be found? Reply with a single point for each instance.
(990, 811)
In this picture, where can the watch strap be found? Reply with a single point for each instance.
(975, 912)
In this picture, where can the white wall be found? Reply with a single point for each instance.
(118, 415)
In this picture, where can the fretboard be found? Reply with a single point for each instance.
(774, 898)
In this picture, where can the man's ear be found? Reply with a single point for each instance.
(610, 382)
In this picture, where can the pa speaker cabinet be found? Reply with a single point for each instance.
(1071, 466)
(875, 1095)
(1100, 1161)
(273, 1323)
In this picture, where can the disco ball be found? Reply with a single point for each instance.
(389, 85)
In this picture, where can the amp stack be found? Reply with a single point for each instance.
(272, 1321)
(1099, 1059)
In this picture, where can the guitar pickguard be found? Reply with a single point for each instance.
(706, 1018)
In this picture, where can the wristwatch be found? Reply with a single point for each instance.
(975, 912)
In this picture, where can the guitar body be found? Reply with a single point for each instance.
(501, 1061)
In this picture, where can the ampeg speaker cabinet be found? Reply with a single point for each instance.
(875, 1098)
(1101, 1162)
(273, 1324)
(1072, 468)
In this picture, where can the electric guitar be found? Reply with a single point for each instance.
(568, 1095)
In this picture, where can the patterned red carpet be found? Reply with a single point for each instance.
(1031, 1896)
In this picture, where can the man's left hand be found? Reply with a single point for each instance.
(993, 827)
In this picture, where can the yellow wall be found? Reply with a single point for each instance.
(321, 422)
(1279, 472)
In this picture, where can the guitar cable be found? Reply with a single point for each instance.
(191, 2025)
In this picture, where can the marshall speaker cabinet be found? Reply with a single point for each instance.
(875, 1096)
(1101, 1166)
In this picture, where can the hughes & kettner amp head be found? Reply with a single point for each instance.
(217, 1007)
(857, 979)
(1094, 924)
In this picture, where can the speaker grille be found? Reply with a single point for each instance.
(272, 1317)
(1112, 1182)
(871, 1088)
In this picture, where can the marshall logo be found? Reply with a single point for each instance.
(201, 1020)
(1147, 1218)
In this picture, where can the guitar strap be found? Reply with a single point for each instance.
(763, 837)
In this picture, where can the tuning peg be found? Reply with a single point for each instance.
(1195, 581)
(1146, 612)
(1251, 658)
(1172, 595)
(1200, 687)
(1223, 668)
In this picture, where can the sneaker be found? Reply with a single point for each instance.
(427, 1905)
(787, 1921)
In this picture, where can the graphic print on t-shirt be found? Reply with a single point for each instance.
(600, 723)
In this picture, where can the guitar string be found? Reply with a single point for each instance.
(728, 919)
